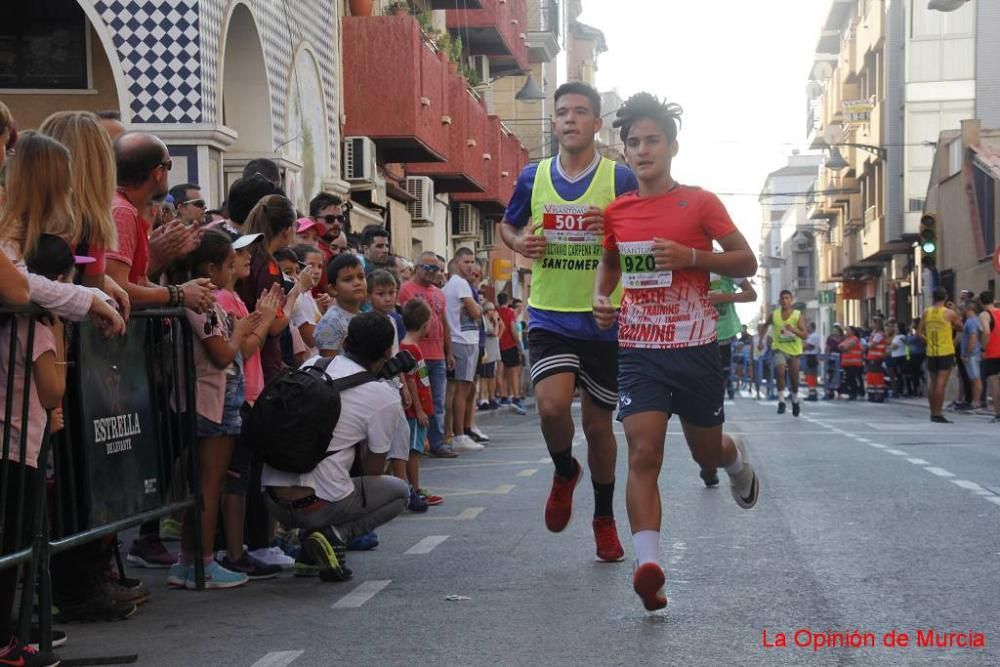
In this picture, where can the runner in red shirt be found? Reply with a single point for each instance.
(658, 244)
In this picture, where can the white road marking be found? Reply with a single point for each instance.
(464, 515)
(993, 499)
(971, 486)
(527, 473)
(504, 489)
(426, 545)
(877, 446)
(470, 513)
(864, 440)
(940, 472)
(545, 460)
(895, 452)
(728, 403)
(362, 594)
(920, 462)
(277, 659)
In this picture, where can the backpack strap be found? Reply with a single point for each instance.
(356, 380)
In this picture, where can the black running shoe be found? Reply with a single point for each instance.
(328, 550)
(781, 407)
(941, 419)
(710, 477)
(796, 409)
(58, 638)
(100, 609)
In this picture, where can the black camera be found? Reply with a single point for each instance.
(403, 362)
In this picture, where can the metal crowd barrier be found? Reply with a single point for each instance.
(129, 421)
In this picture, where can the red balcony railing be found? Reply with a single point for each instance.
(496, 31)
(395, 88)
(466, 167)
(507, 158)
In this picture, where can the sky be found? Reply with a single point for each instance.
(739, 68)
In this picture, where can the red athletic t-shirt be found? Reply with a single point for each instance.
(509, 319)
(665, 309)
(421, 378)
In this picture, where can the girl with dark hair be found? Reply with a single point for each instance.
(218, 365)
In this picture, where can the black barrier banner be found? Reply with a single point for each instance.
(119, 425)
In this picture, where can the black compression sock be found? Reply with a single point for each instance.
(604, 495)
(564, 463)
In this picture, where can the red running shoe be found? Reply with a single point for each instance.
(648, 582)
(609, 548)
(559, 507)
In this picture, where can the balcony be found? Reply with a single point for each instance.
(397, 88)
(468, 144)
(543, 31)
(455, 4)
(507, 160)
(497, 31)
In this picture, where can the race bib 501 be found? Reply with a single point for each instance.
(564, 223)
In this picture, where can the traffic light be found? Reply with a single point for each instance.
(928, 241)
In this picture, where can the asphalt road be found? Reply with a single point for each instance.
(870, 519)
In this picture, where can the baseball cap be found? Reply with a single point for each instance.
(52, 257)
(243, 241)
(302, 224)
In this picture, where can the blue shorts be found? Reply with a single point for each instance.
(686, 382)
(231, 422)
(973, 365)
(418, 435)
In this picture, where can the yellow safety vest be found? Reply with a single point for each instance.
(782, 342)
(939, 333)
(563, 280)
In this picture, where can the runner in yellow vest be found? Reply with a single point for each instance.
(555, 217)
(937, 327)
(788, 330)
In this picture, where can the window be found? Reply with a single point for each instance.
(43, 44)
(986, 190)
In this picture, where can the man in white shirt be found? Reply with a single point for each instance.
(464, 315)
(811, 351)
(327, 503)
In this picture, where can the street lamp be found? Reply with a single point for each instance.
(530, 91)
(836, 161)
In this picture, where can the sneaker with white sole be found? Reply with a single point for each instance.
(216, 577)
(744, 485)
(273, 556)
(178, 575)
(476, 433)
(464, 443)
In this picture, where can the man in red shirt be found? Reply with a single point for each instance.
(435, 346)
(658, 244)
(509, 377)
(143, 165)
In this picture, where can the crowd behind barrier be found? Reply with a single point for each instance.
(109, 461)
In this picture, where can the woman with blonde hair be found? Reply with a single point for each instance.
(93, 179)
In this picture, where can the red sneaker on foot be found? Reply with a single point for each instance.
(609, 548)
(648, 582)
(559, 507)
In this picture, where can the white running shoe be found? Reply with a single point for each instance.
(273, 556)
(744, 485)
(464, 443)
(474, 430)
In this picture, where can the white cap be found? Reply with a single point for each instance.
(245, 240)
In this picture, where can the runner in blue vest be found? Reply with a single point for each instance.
(555, 217)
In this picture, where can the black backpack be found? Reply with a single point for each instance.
(290, 426)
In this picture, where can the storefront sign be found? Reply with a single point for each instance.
(857, 112)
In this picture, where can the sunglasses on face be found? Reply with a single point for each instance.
(200, 203)
(330, 219)
(429, 267)
(167, 164)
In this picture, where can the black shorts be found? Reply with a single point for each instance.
(487, 370)
(726, 354)
(593, 362)
(686, 382)
(938, 364)
(989, 367)
(511, 357)
(812, 362)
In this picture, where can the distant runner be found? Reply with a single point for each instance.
(788, 331)
(937, 326)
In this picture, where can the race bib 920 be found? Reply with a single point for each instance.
(639, 266)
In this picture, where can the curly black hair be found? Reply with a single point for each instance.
(646, 105)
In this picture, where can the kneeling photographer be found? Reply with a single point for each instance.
(330, 505)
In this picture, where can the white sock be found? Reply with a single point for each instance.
(647, 546)
(736, 465)
(795, 397)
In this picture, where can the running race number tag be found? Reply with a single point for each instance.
(564, 224)
(639, 266)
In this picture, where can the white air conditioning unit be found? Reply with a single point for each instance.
(467, 221)
(422, 209)
(359, 160)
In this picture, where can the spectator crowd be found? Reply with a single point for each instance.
(91, 229)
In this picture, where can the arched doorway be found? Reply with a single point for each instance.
(246, 96)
